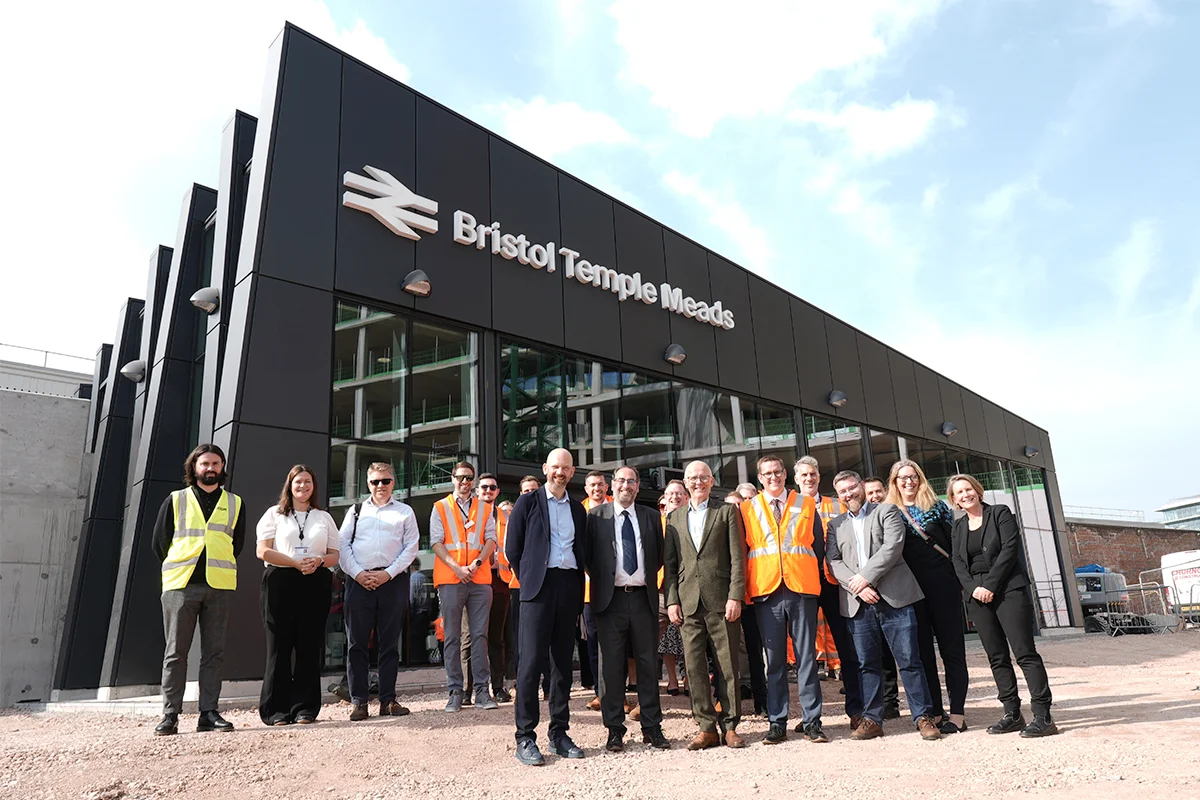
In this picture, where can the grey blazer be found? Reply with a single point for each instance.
(885, 569)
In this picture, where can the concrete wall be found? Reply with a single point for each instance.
(43, 481)
(1125, 548)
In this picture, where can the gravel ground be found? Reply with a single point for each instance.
(1128, 709)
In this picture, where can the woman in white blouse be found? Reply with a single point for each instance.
(298, 541)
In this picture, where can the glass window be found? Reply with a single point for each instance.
(593, 401)
(739, 433)
(444, 376)
(777, 434)
(532, 402)
(1041, 547)
(647, 427)
(836, 445)
(369, 374)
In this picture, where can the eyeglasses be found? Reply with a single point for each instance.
(907, 479)
(625, 480)
(381, 482)
(488, 487)
(698, 479)
(775, 473)
(463, 478)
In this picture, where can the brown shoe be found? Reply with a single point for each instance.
(635, 713)
(867, 729)
(929, 731)
(392, 709)
(855, 721)
(628, 708)
(704, 740)
(734, 739)
(359, 712)
(594, 704)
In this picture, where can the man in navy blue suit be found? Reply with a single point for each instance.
(545, 548)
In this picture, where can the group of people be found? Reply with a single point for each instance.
(885, 564)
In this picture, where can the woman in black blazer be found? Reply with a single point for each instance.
(987, 557)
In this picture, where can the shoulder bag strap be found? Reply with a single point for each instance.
(354, 529)
(921, 531)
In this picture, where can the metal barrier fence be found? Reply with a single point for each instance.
(1143, 607)
(1050, 599)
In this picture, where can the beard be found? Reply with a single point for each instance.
(209, 478)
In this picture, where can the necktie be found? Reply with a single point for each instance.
(778, 510)
(628, 545)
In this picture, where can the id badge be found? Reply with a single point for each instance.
(300, 551)
(470, 524)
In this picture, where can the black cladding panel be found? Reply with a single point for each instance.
(1014, 427)
(952, 410)
(1047, 451)
(843, 365)
(526, 302)
(299, 229)
(687, 266)
(997, 436)
(1033, 438)
(775, 348)
(904, 389)
(452, 168)
(931, 403)
(812, 356)
(645, 329)
(729, 284)
(976, 424)
(592, 322)
(379, 129)
(877, 382)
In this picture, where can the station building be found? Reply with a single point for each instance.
(555, 315)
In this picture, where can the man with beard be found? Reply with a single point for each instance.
(197, 536)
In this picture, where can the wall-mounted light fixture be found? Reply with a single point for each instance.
(675, 354)
(135, 371)
(207, 299)
(837, 398)
(417, 283)
(1031, 451)
(949, 429)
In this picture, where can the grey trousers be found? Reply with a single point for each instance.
(182, 609)
(476, 598)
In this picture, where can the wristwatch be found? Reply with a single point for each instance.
(478, 563)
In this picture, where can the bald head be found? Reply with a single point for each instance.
(559, 468)
(699, 479)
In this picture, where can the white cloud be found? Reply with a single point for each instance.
(726, 215)
(551, 129)
(876, 133)
(931, 198)
(1124, 12)
(702, 62)
(130, 106)
(1000, 205)
(1132, 260)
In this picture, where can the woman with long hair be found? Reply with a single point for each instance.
(987, 557)
(298, 541)
(927, 550)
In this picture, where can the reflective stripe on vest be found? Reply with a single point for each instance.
(502, 565)
(780, 552)
(463, 541)
(829, 508)
(193, 534)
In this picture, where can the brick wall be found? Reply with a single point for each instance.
(1124, 548)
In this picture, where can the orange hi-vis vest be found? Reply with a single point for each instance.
(662, 570)
(587, 579)
(828, 508)
(502, 565)
(780, 552)
(464, 539)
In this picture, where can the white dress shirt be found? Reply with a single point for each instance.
(858, 521)
(387, 538)
(696, 517)
(623, 578)
(320, 532)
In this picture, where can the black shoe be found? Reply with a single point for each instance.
(212, 721)
(616, 741)
(746, 693)
(777, 733)
(1009, 723)
(169, 725)
(654, 737)
(947, 726)
(563, 746)
(528, 753)
(467, 700)
(279, 718)
(1041, 726)
(891, 712)
(814, 733)
(502, 695)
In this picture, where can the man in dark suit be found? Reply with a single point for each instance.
(623, 556)
(705, 560)
(865, 550)
(546, 552)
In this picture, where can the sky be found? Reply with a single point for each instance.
(1007, 191)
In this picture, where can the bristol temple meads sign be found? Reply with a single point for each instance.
(404, 212)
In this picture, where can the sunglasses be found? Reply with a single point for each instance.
(463, 477)
(488, 488)
(381, 482)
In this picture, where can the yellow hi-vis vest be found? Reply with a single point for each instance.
(780, 552)
(662, 571)
(464, 539)
(193, 534)
(828, 508)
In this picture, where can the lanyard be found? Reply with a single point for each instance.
(299, 524)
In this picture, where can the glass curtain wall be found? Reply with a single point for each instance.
(836, 444)
(1041, 550)
(405, 392)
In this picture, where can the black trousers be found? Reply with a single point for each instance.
(546, 643)
(940, 616)
(754, 654)
(845, 646)
(514, 622)
(1006, 622)
(498, 641)
(627, 621)
(589, 650)
(294, 610)
(383, 611)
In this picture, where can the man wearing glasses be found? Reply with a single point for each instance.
(379, 540)
(462, 535)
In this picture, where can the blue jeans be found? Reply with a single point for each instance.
(869, 627)
(777, 615)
